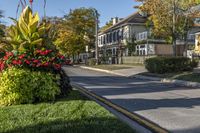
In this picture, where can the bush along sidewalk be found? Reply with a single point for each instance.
(163, 65)
(30, 68)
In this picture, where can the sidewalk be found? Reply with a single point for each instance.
(135, 72)
(129, 72)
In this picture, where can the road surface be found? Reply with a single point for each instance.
(172, 107)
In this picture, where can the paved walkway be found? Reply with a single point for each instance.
(174, 108)
(131, 71)
(127, 72)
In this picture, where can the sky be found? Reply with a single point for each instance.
(106, 8)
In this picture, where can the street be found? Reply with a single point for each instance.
(172, 107)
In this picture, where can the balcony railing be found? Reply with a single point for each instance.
(145, 35)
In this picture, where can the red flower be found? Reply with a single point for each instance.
(8, 55)
(36, 61)
(62, 57)
(57, 66)
(44, 52)
(22, 56)
(16, 62)
(27, 62)
(2, 65)
(46, 64)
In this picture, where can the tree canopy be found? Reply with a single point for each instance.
(107, 25)
(161, 14)
(76, 30)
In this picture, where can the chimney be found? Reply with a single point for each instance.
(115, 20)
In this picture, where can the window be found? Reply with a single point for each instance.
(114, 36)
(101, 40)
(118, 38)
(111, 37)
(107, 38)
(122, 34)
(104, 39)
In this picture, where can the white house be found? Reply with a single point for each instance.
(113, 40)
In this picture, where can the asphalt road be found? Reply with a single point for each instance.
(174, 108)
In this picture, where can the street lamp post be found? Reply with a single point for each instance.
(96, 36)
(174, 28)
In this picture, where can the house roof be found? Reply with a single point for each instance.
(135, 18)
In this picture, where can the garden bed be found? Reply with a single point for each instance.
(73, 114)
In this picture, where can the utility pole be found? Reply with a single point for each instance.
(174, 28)
(96, 39)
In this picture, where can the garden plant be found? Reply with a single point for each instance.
(30, 68)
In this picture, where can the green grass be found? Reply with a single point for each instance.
(194, 77)
(112, 67)
(187, 76)
(165, 75)
(74, 114)
(134, 64)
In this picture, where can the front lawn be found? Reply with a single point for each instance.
(74, 114)
(165, 75)
(187, 76)
(112, 67)
(194, 77)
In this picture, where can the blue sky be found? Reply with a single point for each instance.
(106, 8)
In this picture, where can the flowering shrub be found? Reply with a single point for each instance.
(39, 59)
(21, 86)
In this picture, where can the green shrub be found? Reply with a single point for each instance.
(169, 64)
(195, 63)
(20, 86)
(92, 62)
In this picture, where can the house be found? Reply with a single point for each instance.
(113, 41)
(148, 45)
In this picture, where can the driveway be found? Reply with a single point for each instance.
(172, 107)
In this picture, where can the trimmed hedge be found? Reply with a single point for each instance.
(91, 61)
(169, 64)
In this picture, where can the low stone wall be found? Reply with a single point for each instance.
(135, 59)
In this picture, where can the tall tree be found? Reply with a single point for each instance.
(107, 25)
(170, 17)
(76, 30)
(82, 22)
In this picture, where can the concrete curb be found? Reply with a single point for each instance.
(181, 82)
(174, 81)
(143, 122)
(102, 70)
